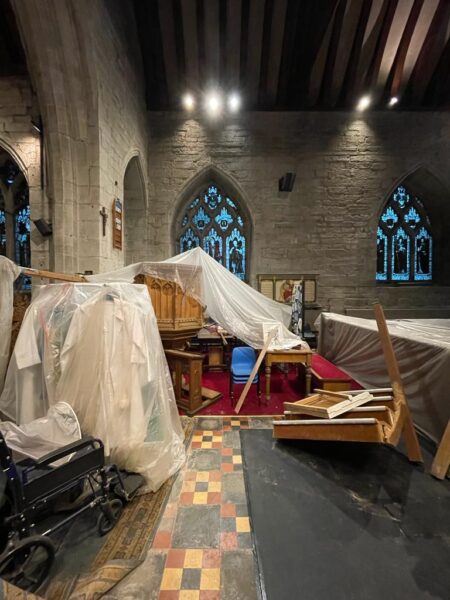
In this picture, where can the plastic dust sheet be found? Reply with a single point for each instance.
(422, 349)
(230, 302)
(97, 347)
(40, 437)
(8, 274)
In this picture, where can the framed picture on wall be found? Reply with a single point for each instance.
(282, 287)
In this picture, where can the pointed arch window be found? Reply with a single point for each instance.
(404, 240)
(214, 221)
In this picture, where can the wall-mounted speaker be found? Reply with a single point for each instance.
(286, 183)
(44, 228)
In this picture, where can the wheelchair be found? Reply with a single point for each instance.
(30, 488)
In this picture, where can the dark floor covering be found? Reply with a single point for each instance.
(345, 521)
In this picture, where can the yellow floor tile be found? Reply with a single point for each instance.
(210, 579)
(214, 486)
(242, 524)
(193, 559)
(171, 579)
(237, 460)
(208, 433)
(206, 444)
(197, 438)
(200, 497)
(189, 595)
(202, 476)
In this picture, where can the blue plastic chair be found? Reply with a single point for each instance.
(243, 360)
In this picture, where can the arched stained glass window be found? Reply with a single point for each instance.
(214, 221)
(404, 240)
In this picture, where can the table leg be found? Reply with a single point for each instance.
(268, 372)
(308, 380)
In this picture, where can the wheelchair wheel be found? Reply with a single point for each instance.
(109, 516)
(28, 563)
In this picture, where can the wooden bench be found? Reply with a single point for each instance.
(327, 376)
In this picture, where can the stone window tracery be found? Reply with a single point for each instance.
(404, 240)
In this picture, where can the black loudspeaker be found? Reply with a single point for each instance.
(44, 228)
(286, 183)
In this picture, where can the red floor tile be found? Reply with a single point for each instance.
(162, 539)
(228, 510)
(228, 540)
(175, 558)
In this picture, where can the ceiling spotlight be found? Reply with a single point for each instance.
(213, 103)
(234, 102)
(188, 101)
(393, 101)
(363, 103)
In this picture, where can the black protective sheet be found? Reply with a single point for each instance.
(345, 521)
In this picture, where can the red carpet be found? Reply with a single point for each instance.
(284, 388)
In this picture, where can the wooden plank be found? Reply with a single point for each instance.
(328, 422)
(258, 362)
(52, 275)
(365, 432)
(412, 443)
(441, 462)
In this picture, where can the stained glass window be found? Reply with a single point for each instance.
(2, 232)
(214, 221)
(404, 240)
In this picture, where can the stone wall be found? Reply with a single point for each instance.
(346, 164)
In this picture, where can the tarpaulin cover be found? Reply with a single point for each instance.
(233, 304)
(39, 437)
(422, 348)
(97, 347)
(8, 274)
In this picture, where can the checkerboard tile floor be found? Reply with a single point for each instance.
(206, 525)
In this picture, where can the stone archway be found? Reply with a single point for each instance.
(135, 222)
(14, 211)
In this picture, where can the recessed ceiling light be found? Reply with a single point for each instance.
(213, 103)
(234, 102)
(393, 101)
(363, 103)
(188, 101)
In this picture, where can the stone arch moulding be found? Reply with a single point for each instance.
(422, 178)
(135, 211)
(210, 174)
(136, 153)
(16, 155)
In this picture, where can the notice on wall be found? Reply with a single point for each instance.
(117, 222)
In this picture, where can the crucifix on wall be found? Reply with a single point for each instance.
(104, 215)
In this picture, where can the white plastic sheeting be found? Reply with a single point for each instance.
(97, 347)
(58, 428)
(8, 274)
(230, 302)
(422, 348)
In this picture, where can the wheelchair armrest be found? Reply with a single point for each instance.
(51, 457)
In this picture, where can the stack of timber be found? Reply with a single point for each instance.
(383, 418)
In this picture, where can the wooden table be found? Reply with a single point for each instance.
(289, 356)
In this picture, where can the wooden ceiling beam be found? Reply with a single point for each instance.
(433, 47)
(287, 56)
(233, 43)
(374, 68)
(347, 97)
(275, 48)
(396, 73)
(437, 94)
(169, 43)
(190, 38)
(212, 42)
(418, 38)
(149, 31)
(254, 51)
(325, 97)
(353, 10)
